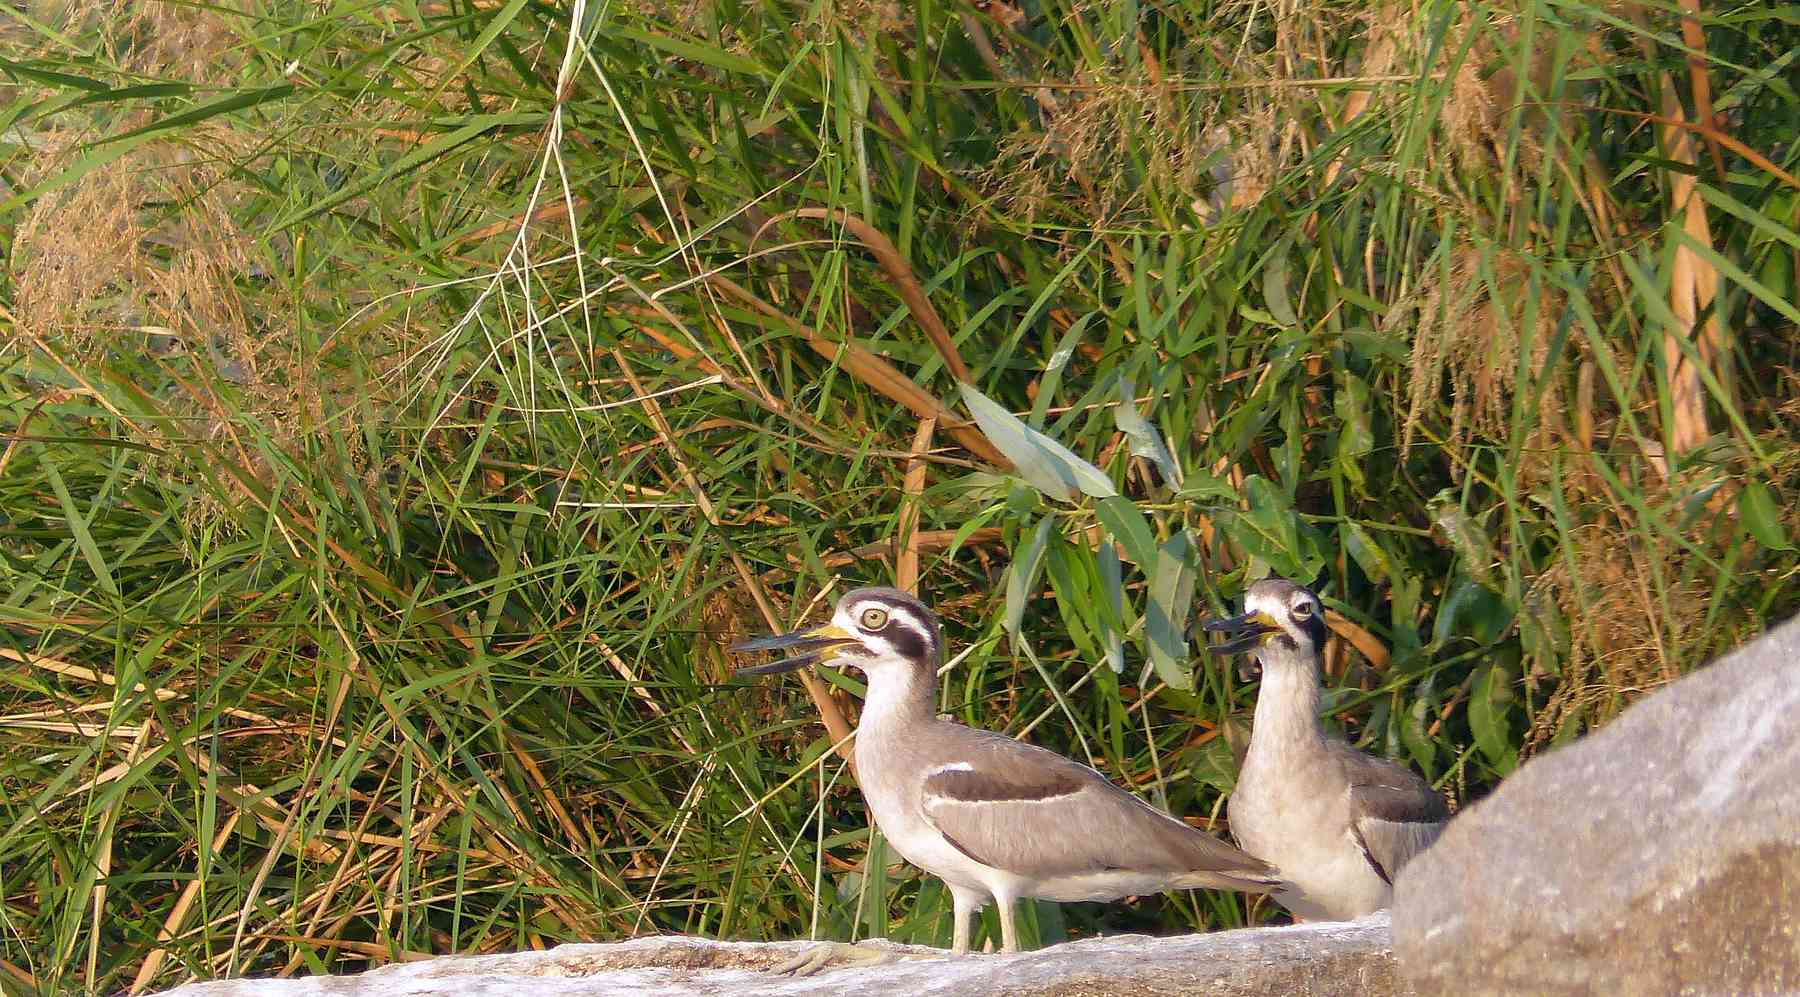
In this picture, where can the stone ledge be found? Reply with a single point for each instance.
(1352, 958)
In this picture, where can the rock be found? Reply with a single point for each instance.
(1659, 855)
(1349, 958)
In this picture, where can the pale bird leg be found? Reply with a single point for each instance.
(1009, 933)
(966, 903)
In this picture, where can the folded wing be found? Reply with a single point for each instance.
(1037, 814)
(1395, 815)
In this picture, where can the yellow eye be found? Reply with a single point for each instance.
(1302, 610)
(874, 619)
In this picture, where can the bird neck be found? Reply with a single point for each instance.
(900, 694)
(1287, 704)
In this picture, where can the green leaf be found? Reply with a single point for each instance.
(1123, 520)
(1021, 578)
(1052, 927)
(1214, 764)
(224, 105)
(1275, 286)
(1371, 346)
(1271, 532)
(1488, 706)
(1362, 548)
(1072, 585)
(1756, 507)
(1356, 440)
(1542, 634)
(78, 526)
(970, 525)
(1166, 617)
(51, 78)
(875, 891)
(1413, 727)
(1047, 465)
(1471, 610)
(1146, 442)
(1059, 360)
(476, 126)
(709, 55)
(1405, 596)
(1467, 536)
(1202, 486)
(1112, 612)
(497, 23)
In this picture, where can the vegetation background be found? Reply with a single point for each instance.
(405, 402)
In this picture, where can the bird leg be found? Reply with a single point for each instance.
(820, 956)
(1009, 933)
(966, 903)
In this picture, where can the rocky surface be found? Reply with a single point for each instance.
(1660, 855)
(1325, 959)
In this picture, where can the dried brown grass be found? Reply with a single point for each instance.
(1621, 633)
(1471, 330)
(188, 42)
(78, 266)
(1112, 136)
(107, 275)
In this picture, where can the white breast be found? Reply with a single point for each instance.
(894, 799)
(1307, 837)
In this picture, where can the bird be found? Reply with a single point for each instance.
(1339, 823)
(994, 818)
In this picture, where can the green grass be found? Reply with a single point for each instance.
(404, 405)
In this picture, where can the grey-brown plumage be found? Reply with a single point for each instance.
(1340, 824)
(1397, 813)
(992, 817)
(994, 812)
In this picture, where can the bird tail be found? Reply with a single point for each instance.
(1227, 868)
(1247, 880)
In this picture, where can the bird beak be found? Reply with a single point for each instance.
(1242, 633)
(804, 647)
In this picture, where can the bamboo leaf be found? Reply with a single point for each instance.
(1123, 520)
(1471, 610)
(1414, 723)
(1146, 442)
(1047, 465)
(1166, 616)
(1356, 440)
(1489, 703)
(1021, 578)
(1270, 531)
(1276, 297)
(1112, 614)
(1756, 507)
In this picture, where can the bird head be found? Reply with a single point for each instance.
(1278, 615)
(876, 630)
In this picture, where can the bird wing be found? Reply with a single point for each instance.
(1394, 814)
(1035, 813)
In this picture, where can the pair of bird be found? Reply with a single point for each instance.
(1321, 827)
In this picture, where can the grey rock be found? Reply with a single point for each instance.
(1660, 855)
(1348, 958)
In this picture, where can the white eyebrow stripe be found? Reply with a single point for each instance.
(912, 623)
(950, 767)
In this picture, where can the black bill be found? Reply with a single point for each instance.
(1242, 633)
(803, 647)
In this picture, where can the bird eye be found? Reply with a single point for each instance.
(1302, 609)
(874, 619)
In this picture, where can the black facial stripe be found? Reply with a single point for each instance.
(1314, 626)
(912, 638)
